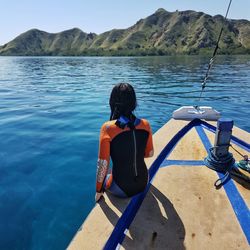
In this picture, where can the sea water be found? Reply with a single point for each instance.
(51, 110)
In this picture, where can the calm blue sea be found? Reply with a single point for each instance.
(51, 110)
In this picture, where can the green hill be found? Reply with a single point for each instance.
(35, 43)
(163, 33)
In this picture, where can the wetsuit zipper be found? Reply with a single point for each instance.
(136, 174)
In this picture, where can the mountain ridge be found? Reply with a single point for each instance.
(162, 33)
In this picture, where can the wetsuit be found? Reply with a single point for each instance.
(127, 144)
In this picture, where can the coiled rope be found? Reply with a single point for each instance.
(225, 165)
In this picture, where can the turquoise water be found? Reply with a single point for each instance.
(51, 110)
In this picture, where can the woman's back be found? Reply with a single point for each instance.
(128, 147)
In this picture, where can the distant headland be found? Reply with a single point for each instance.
(162, 33)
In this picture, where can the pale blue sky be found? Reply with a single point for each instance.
(18, 16)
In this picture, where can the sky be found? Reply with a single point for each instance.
(18, 16)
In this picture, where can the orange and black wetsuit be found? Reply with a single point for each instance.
(127, 143)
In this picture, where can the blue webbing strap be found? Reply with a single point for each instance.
(128, 215)
(239, 206)
(167, 163)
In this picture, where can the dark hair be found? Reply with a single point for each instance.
(122, 101)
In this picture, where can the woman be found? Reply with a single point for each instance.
(128, 140)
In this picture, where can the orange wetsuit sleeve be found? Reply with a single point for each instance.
(103, 157)
(149, 151)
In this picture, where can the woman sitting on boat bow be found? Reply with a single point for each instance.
(127, 140)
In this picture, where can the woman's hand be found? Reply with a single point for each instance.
(98, 196)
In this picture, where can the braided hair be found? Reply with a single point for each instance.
(122, 101)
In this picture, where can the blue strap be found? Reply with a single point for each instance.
(239, 206)
(167, 163)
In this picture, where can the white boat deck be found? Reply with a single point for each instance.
(182, 209)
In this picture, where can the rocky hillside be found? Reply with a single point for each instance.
(163, 33)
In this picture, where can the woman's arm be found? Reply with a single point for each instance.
(102, 170)
(103, 161)
(149, 151)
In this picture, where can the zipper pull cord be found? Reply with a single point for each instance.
(135, 153)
